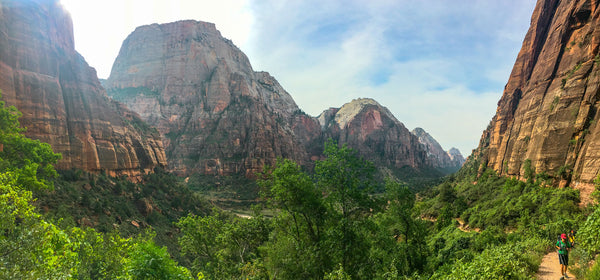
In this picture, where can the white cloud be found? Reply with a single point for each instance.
(446, 64)
(437, 64)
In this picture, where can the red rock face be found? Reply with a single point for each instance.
(61, 98)
(376, 134)
(217, 115)
(548, 111)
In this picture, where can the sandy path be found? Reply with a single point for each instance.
(550, 268)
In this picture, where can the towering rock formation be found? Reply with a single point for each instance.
(375, 133)
(61, 98)
(218, 116)
(456, 157)
(548, 113)
(436, 154)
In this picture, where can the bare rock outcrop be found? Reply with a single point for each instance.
(436, 155)
(372, 130)
(456, 157)
(548, 113)
(217, 115)
(61, 98)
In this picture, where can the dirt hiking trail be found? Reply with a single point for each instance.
(550, 268)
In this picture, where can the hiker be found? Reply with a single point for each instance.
(571, 237)
(563, 246)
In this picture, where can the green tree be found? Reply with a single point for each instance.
(150, 262)
(30, 248)
(587, 236)
(299, 227)
(345, 179)
(293, 191)
(199, 242)
(222, 246)
(321, 222)
(399, 243)
(100, 256)
(29, 160)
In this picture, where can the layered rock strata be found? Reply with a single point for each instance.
(548, 112)
(372, 130)
(61, 98)
(217, 115)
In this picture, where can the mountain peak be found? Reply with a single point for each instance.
(351, 109)
(217, 115)
(456, 156)
(436, 154)
(420, 132)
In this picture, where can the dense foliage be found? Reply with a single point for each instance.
(32, 247)
(117, 204)
(331, 223)
(328, 225)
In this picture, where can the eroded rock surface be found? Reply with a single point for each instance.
(61, 98)
(548, 111)
(365, 125)
(450, 160)
(217, 115)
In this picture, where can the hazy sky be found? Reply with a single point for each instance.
(436, 64)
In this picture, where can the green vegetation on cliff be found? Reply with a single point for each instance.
(34, 247)
(327, 224)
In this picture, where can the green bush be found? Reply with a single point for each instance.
(517, 260)
(150, 262)
(594, 273)
(587, 236)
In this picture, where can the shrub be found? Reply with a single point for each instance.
(148, 261)
(587, 236)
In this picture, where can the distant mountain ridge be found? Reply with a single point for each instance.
(372, 129)
(219, 116)
(451, 159)
(61, 98)
(456, 157)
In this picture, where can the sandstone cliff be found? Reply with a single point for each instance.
(548, 111)
(61, 98)
(436, 154)
(372, 130)
(217, 115)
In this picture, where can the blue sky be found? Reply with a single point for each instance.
(436, 64)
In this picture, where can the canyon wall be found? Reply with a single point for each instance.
(548, 112)
(61, 98)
